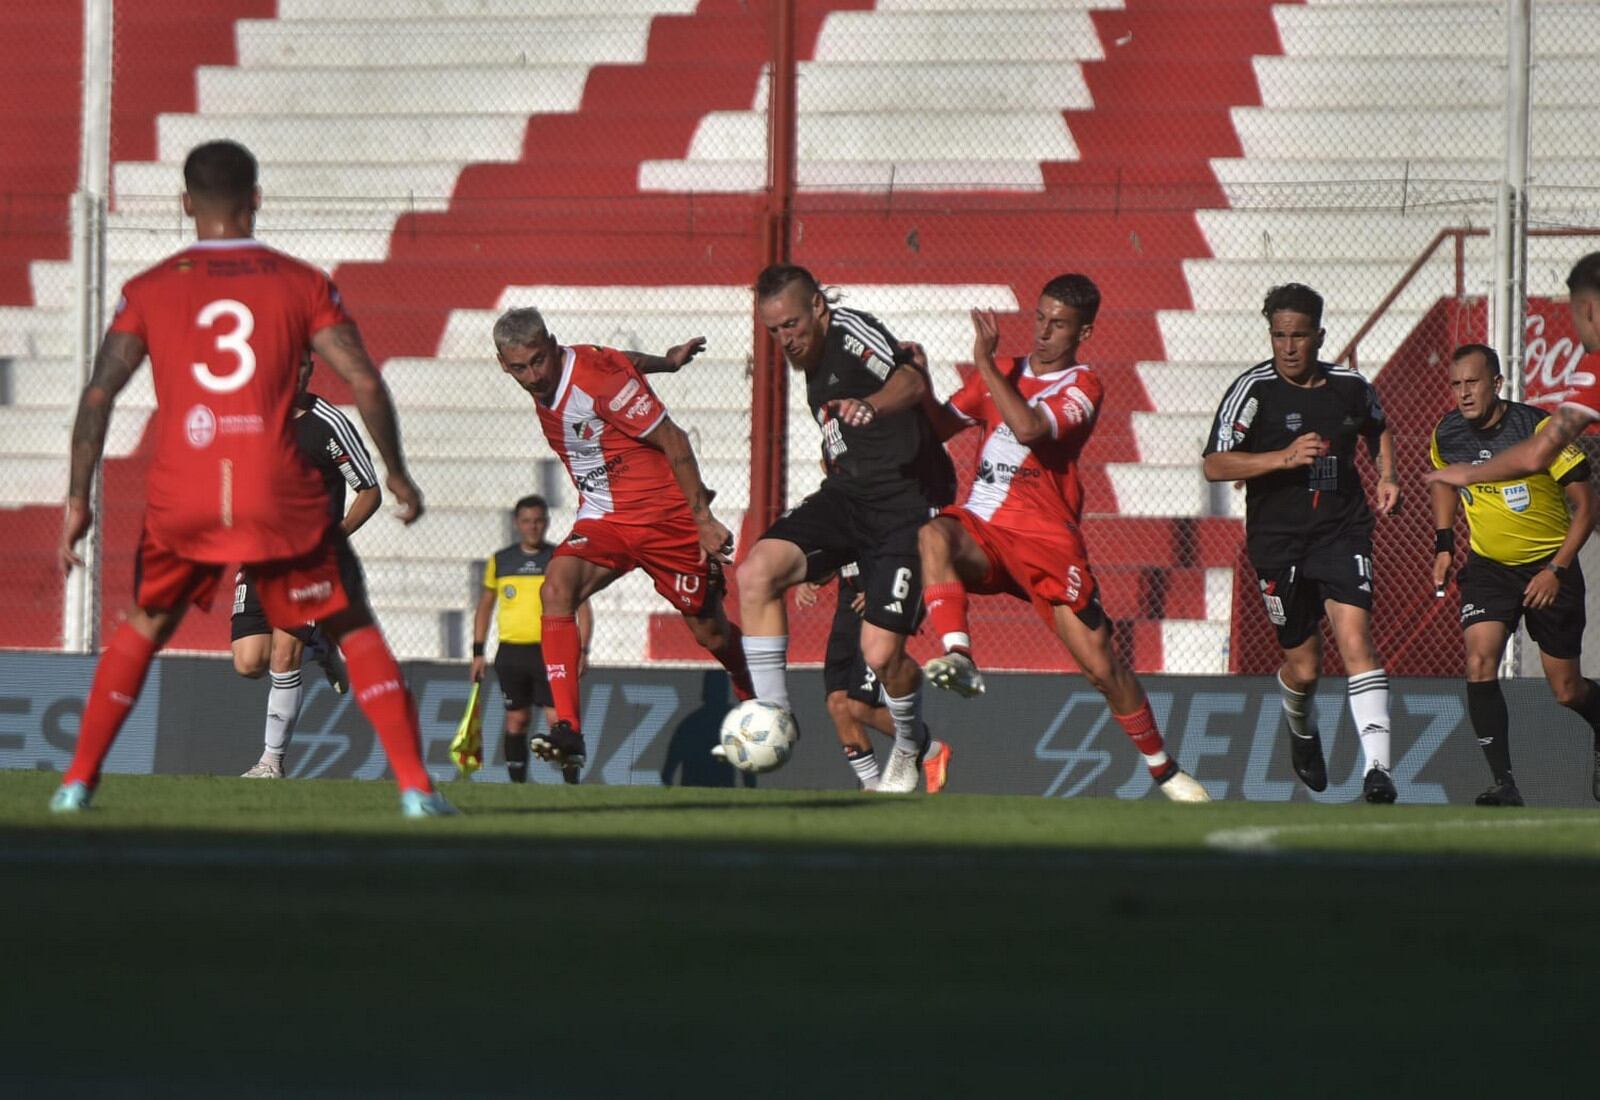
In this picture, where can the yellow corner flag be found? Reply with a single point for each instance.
(466, 748)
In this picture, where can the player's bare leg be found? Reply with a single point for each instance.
(885, 653)
(568, 581)
(951, 560)
(381, 693)
(722, 638)
(1579, 695)
(1089, 642)
(771, 568)
(1369, 695)
(118, 679)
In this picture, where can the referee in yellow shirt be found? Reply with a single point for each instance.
(1523, 562)
(512, 578)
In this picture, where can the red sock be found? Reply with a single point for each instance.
(947, 612)
(1140, 726)
(731, 657)
(382, 695)
(118, 680)
(560, 644)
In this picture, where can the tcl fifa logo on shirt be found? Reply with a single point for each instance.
(1516, 496)
(200, 427)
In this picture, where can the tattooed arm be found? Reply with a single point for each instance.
(1388, 481)
(119, 356)
(1532, 455)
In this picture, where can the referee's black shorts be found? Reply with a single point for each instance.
(833, 529)
(520, 669)
(1492, 592)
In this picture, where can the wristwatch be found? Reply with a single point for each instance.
(1559, 570)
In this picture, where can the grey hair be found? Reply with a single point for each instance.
(519, 328)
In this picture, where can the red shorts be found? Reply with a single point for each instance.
(292, 592)
(1048, 567)
(668, 551)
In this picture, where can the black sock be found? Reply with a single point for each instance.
(516, 749)
(1590, 710)
(1486, 706)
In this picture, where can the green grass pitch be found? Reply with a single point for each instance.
(219, 937)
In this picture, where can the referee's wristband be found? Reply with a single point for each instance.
(477, 649)
(1444, 540)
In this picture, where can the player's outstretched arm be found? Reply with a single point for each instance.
(945, 421)
(119, 356)
(676, 358)
(1524, 459)
(341, 348)
(1244, 465)
(715, 539)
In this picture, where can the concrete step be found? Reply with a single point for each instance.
(744, 175)
(911, 38)
(1401, 132)
(1440, 82)
(469, 10)
(341, 186)
(390, 139)
(1241, 335)
(448, 90)
(586, 39)
(909, 134)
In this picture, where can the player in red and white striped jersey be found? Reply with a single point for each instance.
(641, 504)
(1018, 530)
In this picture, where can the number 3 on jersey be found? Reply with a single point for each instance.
(234, 340)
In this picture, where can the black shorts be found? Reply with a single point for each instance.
(520, 668)
(1491, 592)
(249, 620)
(843, 667)
(1340, 571)
(832, 530)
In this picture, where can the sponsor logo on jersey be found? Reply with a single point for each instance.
(1517, 496)
(1077, 408)
(241, 424)
(307, 592)
(621, 399)
(894, 607)
(643, 407)
(985, 471)
(593, 479)
(200, 427)
(856, 347)
(1472, 611)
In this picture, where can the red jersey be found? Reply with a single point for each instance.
(601, 409)
(226, 323)
(1030, 488)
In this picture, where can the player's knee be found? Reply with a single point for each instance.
(934, 541)
(249, 666)
(518, 721)
(1570, 693)
(839, 708)
(709, 631)
(755, 578)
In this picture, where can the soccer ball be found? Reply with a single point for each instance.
(757, 736)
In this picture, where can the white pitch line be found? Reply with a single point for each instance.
(1262, 839)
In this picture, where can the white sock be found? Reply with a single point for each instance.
(907, 714)
(283, 709)
(767, 657)
(865, 764)
(1369, 706)
(957, 639)
(1297, 708)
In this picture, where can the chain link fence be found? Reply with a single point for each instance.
(608, 163)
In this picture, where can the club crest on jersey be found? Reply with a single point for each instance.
(583, 429)
(1293, 421)
(200, 427)
(510, 591)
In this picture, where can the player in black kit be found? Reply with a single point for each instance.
(333, 448)
(1288, 428)
(887, 472)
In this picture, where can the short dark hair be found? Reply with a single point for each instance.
(220, 170)
(1295, 297)
(775, 279)
(1077, 291)
(1490, 356)
(532, 500)
(1585, 275)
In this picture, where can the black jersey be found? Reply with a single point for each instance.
(895, 458)
(1289, 511)
(330, 442)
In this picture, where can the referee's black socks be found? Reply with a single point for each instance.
(516, 749)
(1486, 706)
(1590, 710)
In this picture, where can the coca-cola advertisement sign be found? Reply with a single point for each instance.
(1551, 370)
